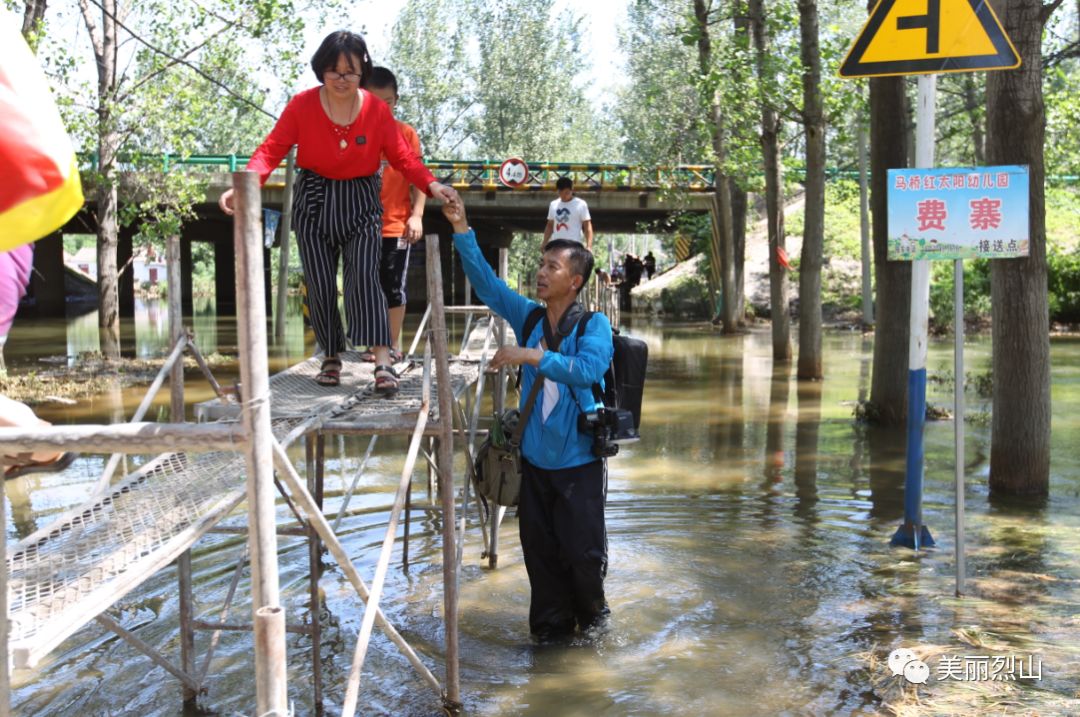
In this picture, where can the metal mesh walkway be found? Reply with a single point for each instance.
(65, 574)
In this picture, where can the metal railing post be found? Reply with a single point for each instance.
(270, 674)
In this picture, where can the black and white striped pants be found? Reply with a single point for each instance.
(342, 218)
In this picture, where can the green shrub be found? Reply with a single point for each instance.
(1063, 284)
(976, 292)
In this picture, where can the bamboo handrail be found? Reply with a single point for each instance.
(322, 527)
(271, 693)
(125, 438)
(440, 340)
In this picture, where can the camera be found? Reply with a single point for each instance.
(609, 427)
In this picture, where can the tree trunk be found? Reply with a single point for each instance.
(774, 190)
(1016, 125)
(743, 130)
(738, 243)
(810, 363)
(33, 14)
(888, 150)
(722, 210)
(971, 103)
(105, 47)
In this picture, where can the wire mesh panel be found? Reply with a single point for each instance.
(65, 574)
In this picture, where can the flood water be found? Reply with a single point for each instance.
(750, 567)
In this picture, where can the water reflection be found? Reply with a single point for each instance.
(806, 449)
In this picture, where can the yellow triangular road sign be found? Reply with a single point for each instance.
(918, 37)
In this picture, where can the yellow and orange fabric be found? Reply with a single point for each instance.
(40, 190)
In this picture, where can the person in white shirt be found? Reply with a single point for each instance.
(568, 217)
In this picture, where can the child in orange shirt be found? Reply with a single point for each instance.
(402, 219)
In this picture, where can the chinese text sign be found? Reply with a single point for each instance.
(958, 213)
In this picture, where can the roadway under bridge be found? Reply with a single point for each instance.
(622, 199)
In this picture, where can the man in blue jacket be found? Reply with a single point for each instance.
(563, 486)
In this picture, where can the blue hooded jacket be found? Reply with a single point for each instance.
(555, 443)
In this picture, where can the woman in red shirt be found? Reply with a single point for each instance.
(341, 132)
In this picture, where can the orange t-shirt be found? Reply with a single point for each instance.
(396, 199)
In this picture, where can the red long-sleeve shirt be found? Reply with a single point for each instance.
(305, 124)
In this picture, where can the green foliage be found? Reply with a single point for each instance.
(1063, 252)
(659, 109)
(528, 100)
(515, 91)
(1062, 118)
(1064, 287)
(428, 57)
(976, 292)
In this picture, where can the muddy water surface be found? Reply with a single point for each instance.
(751, 572)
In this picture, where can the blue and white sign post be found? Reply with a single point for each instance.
(913, 533)
(951, 36)
(947, 213)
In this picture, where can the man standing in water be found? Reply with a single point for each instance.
(563, 484)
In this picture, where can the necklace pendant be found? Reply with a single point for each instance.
(343, 144)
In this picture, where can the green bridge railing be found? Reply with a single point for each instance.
(484, 175)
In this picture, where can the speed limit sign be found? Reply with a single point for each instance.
(513, 172)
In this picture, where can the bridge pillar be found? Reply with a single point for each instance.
(187, 279)
(48, 292)
(224, 275)
(268, 284)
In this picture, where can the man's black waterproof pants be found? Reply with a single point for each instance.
(564, 540)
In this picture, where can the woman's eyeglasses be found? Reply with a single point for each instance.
(331, 76)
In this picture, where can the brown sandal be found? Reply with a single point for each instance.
(329, 373)
(386, 381)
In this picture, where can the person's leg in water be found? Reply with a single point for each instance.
(582, 537)
(551, 607)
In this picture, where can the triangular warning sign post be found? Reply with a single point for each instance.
(919, 37)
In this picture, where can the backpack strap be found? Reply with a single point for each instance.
(535, 316)
(598, 395)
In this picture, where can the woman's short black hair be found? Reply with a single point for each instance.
(381, 79)
(337, 44)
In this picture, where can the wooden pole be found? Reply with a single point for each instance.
(124, 437)
(270, 682)
(176, 413)
(352, 687)
(112, 625)
(283, 253)
(452, 700)
(270, 643)
(307, 503)
(314, 573)
(5, 660)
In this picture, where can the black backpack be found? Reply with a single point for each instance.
(624, 380)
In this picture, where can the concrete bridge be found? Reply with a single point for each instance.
(621, 198)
